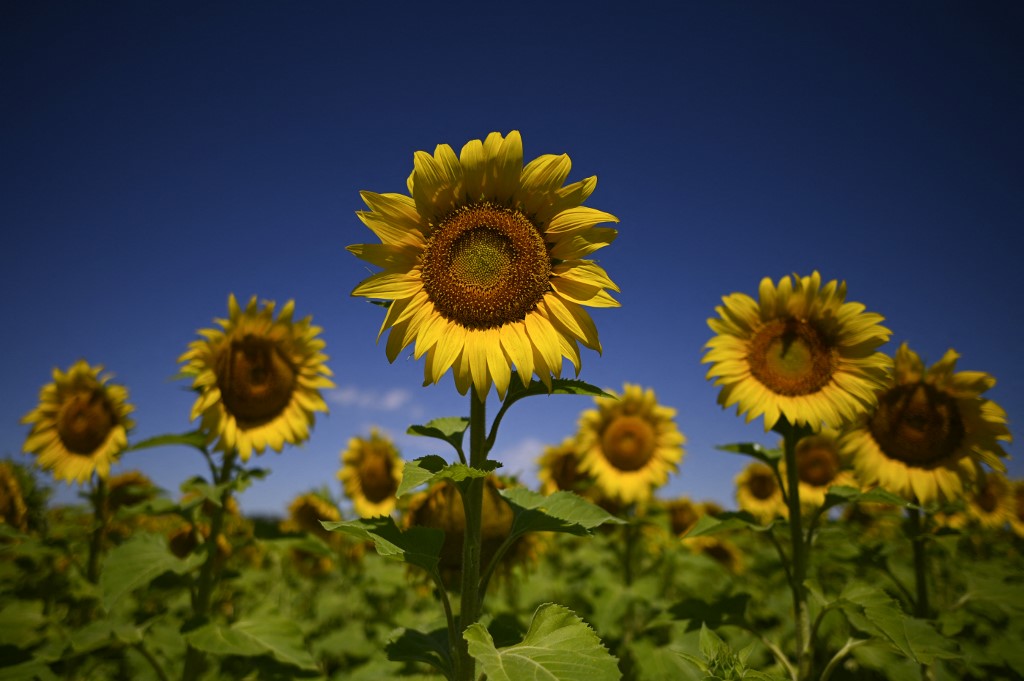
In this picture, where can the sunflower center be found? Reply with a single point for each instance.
(628, 443)
(375, 478)
(256, 380)
(84, 422)
(683, 517)
(762, 485)
(791, 357)
(485, 265)
(917, 424)
(816, 461)
(987, 499)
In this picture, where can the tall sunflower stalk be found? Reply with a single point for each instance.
(483, 270)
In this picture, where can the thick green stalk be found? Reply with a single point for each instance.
(922, 608)
(209, 574)
(798, 557)
(472, 504)
(99, 530)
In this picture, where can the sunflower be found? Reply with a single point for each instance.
(484, 264)
(558, 469)
(307, 510)
(258, 378)
(930, 430)
(800, 354)
(819, 466)
(13, 509)
(759, 494)
(990, 501)
(81, 424)
(1017, 507)
(371, 473)
(128, 489)
(718, 549)
(629, 445)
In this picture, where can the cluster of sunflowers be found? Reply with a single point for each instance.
(484, 271)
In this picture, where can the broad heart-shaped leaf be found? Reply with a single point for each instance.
(432, 468)
(723, 522)
(137, 562)
(195, 438)
(559, 512)
(872, 611)
(420, 546)
(449, 428)
(752, 449)
(278, 637)
(558, 646)
(409, 645)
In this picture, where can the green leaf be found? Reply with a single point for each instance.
(32, 670)
(409, 645)
(430, 469)
(21, 622)
(844, 494)
(559, 512)
(752, 449)
(559, 386)
(725, 610)
(420, 546)
(449, 428)
(278, 637)
(723, 522)
(195, 438)
(137, 562)
(558, 646)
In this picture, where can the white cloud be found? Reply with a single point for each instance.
(388, 400)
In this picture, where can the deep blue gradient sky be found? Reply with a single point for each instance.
(157, 156)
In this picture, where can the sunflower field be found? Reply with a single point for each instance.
(880, 540)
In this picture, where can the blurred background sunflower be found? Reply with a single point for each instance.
(370, 474)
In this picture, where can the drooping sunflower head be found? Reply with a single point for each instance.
(929, 431)
(629, 444)
(800, 353)
(371, 472)
(758, 492)
(558, 469)
(258, 378)
(819, 466)
(307, 510)
(81, 424)
(128, 489)
(484, 264)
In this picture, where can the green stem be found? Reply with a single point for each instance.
(799, 554)
(838, 657)
(472, 504)
(209, 574)
(922, 608)
(99, 530)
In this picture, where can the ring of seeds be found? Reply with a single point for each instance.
(255, 378)
(485, 266)
(791, 357)
(85, 421)
(628, 442)
(917, 424)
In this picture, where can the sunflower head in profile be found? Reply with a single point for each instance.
(371, 472)
(990, 501)
(129, 489)
(81, 424)
(800, 353)
(819, 466)
(258, 378)
(307, 510)
(13, 509)
(629, 444)
(558, 469)
(484, 264)
(758, 493)
(929, 431)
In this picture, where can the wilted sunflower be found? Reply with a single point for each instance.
(929, 431)
(759, 494)
(371, 473)
(81, 424)
(485, 264)
(819, 466)
(258, 378)
(990, 501)
(801, 353)
(558, 469)
(629, 445)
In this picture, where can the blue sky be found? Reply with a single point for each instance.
(156, 157)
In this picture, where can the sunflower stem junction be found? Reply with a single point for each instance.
(800, 551)
(208, 574)
(472, 503)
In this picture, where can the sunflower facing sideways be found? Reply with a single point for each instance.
(484, 264)
(371, 473)
(258, 378)
(629, 445)
(800, 353)
(81, 424)
(758, 493)
(930, 431)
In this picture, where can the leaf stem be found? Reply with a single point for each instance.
(838, 657)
